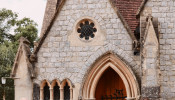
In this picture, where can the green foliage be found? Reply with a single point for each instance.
(26, 28)
(7, 54)
(7, 20)
(9, 24)
(9, 43)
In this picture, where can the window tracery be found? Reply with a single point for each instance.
(86, 30)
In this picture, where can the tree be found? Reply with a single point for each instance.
(7, 55)
(9, 23)
(26, 28)
(7, 20)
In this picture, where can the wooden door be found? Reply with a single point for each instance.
(109, 82)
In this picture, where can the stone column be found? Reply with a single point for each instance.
(41, 94)
(51, 94)
(71, 94)
(150, 63)
(61, 93)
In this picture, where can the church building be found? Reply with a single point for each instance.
(100, 50)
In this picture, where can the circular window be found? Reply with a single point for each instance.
(86, 30)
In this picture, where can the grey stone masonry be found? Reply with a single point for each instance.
(59, 59)
(164, 11)
(151, 92)
(150, 62)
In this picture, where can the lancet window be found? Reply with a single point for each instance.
(46, 92)
(56, 92)
(66, 92)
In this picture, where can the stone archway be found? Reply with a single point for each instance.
(42, 89)
(99, 67)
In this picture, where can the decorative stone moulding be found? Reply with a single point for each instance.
(86, 31)
(61, 86)
(123, 70)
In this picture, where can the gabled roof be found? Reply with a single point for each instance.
(126, 10)
(44, 35)
(141, 7)
(150, 37)
(50, 9)
(23, 49)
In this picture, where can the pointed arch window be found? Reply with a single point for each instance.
(56, 92)
(66, 92)
(46, 92)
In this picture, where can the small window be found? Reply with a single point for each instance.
(86, 29)
(66, 92)
(46, 92)
(56, 92)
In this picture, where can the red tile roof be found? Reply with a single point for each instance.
(128, 9)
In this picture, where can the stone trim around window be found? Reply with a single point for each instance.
(86, 31)
(51, 87)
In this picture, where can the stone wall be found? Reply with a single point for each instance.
(59, 59)
(164, 11)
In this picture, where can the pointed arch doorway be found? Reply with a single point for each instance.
(110, 86)
(107, 75)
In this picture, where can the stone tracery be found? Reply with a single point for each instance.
(87, 30)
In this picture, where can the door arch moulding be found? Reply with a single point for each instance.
(110, 60)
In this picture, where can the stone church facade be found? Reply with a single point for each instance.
(100, 50)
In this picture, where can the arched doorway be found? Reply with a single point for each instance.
(110, 62)
(110, 86)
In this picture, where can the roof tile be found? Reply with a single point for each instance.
(128, 9)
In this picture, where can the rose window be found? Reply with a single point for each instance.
(86, 30)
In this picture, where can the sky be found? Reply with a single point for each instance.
(33, 9)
